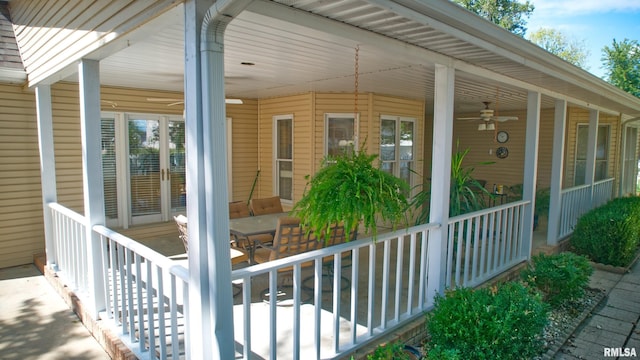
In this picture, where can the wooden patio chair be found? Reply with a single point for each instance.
(271, 205)
(237, 256)
(337, 235)
(290, 239)
(238, 209)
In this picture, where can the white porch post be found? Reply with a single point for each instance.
(89, 74)
(198, 340)
(530, 168)
(47, 165)
(592, 145)
(557, 164)
(210, 316)
(440, 177)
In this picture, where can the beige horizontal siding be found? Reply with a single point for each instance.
(300, 107)
(21, 222)
(244, 122)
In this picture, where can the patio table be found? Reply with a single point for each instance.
(244, 228)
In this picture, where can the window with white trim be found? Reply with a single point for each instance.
(340, 133)
(283, 156)
(602, 153)
(397, 146)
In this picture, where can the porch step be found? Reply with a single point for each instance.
(40, 260)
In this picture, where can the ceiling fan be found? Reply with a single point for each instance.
(487, 115)
(176, 101)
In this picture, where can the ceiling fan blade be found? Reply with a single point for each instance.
(505, 118)
(176, 101)
(469, 118)
(171, 100)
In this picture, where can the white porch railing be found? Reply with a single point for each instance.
(329, 302)
(371, 288)
(70, 260)
(145, 291)
(484, 243)
(576, 201)
(602, 192)
(146, 296)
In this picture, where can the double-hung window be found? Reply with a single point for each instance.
(397, 151)
(283, 156)
(602, 153)
(340, 133)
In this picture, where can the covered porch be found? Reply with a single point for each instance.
(435, 55)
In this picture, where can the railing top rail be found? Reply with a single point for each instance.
(307, 256)
(67, 212)
(146, 252)
(575, 188)
(603, 181)
(586, 186)
(487, 211)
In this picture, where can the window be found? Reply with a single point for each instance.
(283, 152)
(630, 163)
(340, 133)
(602, 153)
(396, 146)
(109, 173)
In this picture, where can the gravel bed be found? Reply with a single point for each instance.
(563, 321)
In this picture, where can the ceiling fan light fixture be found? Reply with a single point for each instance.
(482, 127)
(491, 126)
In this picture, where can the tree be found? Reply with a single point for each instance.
(557, 43)
(509, 14)
(622, 62)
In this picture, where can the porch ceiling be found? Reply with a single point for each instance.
(308, 45)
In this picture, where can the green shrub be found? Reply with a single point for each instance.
(438, 353)
(502, 322)
(610, 233)
(560, 277)
(389, 351)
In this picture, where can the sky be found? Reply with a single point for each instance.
(595, 23)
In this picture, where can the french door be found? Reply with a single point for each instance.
(144, 168)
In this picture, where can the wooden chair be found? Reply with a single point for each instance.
(240, 209)
(337, 235)
(237, 255)
(271, 205)
(290, 239)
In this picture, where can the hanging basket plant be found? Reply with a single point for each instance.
(348, 189)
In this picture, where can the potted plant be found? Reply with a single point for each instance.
(466, 193)
(349, 189)
(541, 209)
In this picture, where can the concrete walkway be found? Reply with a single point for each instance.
(35, 323)
(612, 331)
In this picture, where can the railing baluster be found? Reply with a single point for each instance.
(412, 268)
(355, 265)
(399, 262)
(371, 289)
(317, 293)
(296, 311)
(337, 276)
